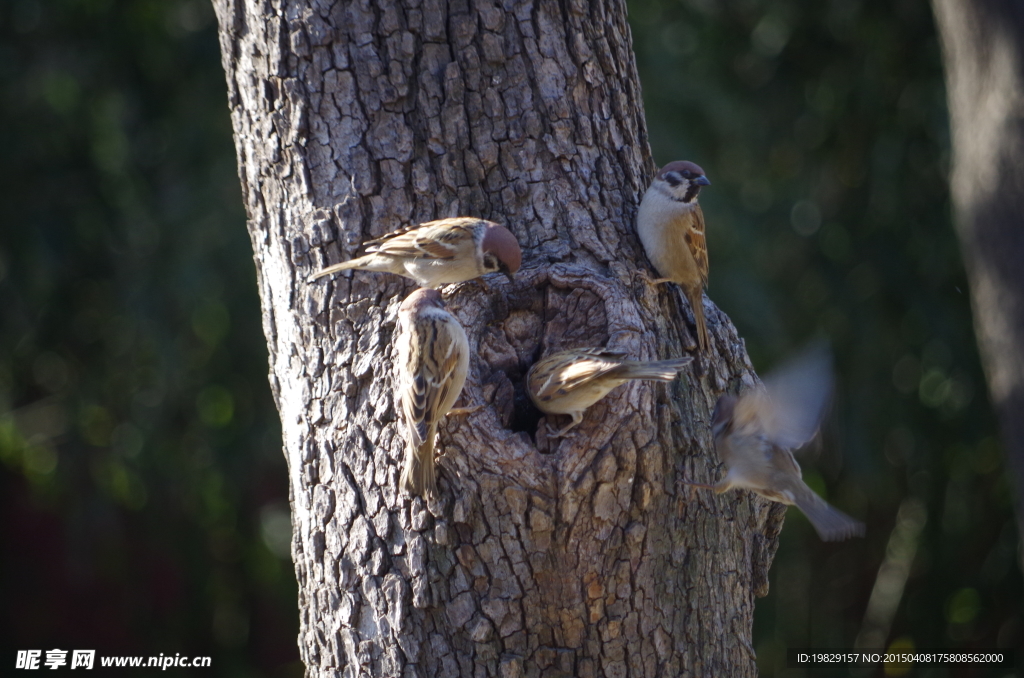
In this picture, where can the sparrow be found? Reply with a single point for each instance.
(755, 433)
(439, 252)
(568, 382)
(433, 360)
(671, 227)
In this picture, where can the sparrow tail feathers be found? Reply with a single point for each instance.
(696, 298)
(360, 262)
(830, 523)
(418, 476)
(658, 370)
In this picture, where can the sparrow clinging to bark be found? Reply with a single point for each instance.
(440, 252)
(433, 359)
(671, 227)
(755, 433)
(568, 382)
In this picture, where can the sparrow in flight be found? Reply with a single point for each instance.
(755, 433)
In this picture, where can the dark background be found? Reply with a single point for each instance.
(142, 487)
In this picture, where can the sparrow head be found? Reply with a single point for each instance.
(419, 301)
(721, 420)
(682, 180)
(501, 250)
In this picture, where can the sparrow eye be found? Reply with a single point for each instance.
(687, 173)
(673, 179)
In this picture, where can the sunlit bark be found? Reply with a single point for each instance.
(573, 558)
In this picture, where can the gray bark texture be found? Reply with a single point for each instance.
(983, 52)
(572, 557)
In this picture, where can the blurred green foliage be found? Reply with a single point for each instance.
(141, 480)
(823, 129)
(142, 485)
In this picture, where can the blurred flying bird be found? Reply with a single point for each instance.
(755, 433)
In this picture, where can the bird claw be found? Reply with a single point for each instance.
(561, 433)
(479, 282)
(646, 277)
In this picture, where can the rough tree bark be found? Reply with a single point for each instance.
(983, 52)
(580, 557)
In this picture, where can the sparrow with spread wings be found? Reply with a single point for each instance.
(755, 433)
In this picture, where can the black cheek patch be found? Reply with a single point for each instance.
(673, 179)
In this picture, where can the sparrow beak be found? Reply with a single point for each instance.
(702, 181)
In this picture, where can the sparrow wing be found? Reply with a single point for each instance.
(795, 396)
(432, 240)
(565, 371)
(698, 244)
(782, 462)
(434, 364)
(830, 523)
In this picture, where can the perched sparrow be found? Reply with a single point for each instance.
(440, 252)
(755, 432)
(433, 359)
(568, 382)
(671, 227)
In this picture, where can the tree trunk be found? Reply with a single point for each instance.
(579, 557)
(983, 51)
